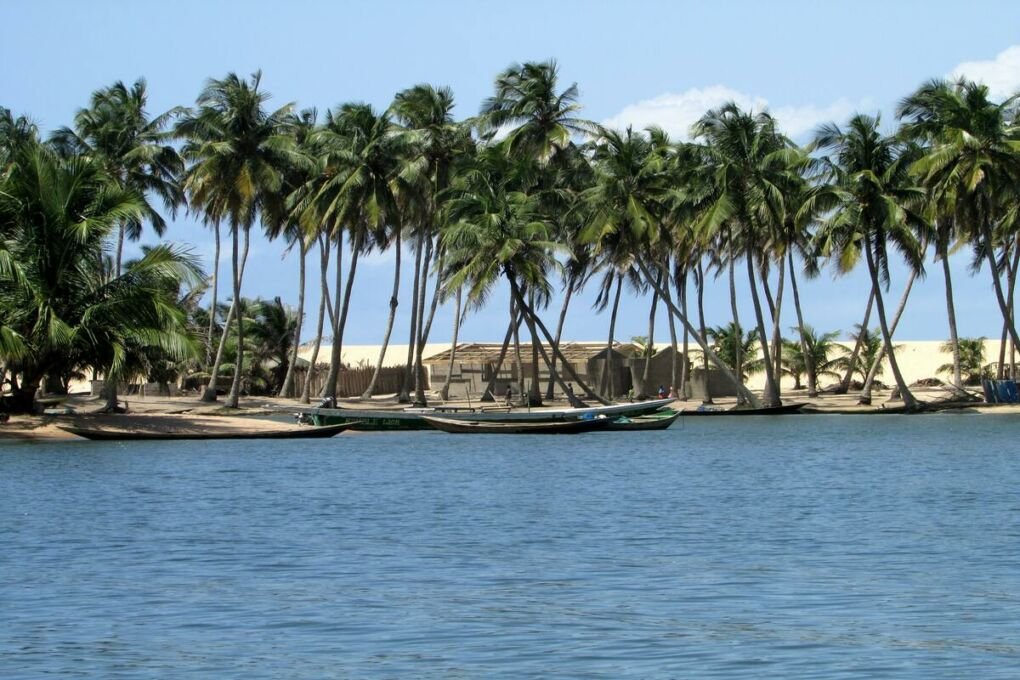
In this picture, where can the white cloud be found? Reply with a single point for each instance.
(1001, 74)
(675, 113)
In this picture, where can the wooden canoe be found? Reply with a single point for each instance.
(653, 421)
(111, 434)
(482, 427)
(785, 409)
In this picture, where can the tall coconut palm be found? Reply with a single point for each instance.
(353, 196)
(970, 164)
(433, 142)
(133, 148)
(750, 164)
(871, 204)
(239, 153)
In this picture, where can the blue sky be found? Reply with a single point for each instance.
(635, 63)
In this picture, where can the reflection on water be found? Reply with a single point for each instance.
(820, 547)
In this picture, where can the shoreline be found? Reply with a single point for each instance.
(258, 413)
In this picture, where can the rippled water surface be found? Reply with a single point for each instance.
(810, 547)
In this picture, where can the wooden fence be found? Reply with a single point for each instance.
(352, 382)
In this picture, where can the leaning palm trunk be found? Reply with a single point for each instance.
(328, 390)
(423, 335)
(777, 331)
(518, 361)
(535, 391)
(873, 371)
(336, 354)
(394, 301)
(738, 363)
(1004, 307)
(306, 389)
(408, 384)
(700, 339)
(608, 384)
(677, 373)
(215, 287)
(287, 390)
(651, 340)
(1012, 290)
(707, 399)
(851, 364)
(526, 310)
(444, 393)
(210, 389)
(954, 340)
(1011, 269)
(559, 331)
(909, 401)
(809, 360)
(235, 386)
(515, 322)
(771, 387)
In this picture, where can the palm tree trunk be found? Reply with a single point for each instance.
(844, 384)
(707, 399)
(954, 340)
(535, 392)
(235, 386)
(1004, 308)
(651, 338)
(419, 305)
(306, 389)
(1012, 276)
(424, 330)
(518, 361)
(525, 310)
(215, 288)
(909, 401)
(328, 390)
(287, 390)
(515, 322)
(336, 355)
(568, 294)
(777, 330)
(809, 360)
(771, 388)
(120, 248)
(444, 393)
(394, 301)
(738, 368)
(405, 390)
(607, 374)
(700, 339)
(210, 390)
(869, 379)
(677, 371)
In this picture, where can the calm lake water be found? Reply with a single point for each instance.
(799, 547)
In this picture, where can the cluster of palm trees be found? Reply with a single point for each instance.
(529, 195)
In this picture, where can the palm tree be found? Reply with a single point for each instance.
(353, 194)
(873, 205)
(750, 163)
(61, 307)
(133, 149)
(735, 348)
(626, 216)
(972, 359)
(970, 165)
(823, 358)
(432, 144)
(239, 155)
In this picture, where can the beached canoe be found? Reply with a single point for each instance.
(114, 434)
(560, 427)
(785, 409)
(415, 418)
(660, 420)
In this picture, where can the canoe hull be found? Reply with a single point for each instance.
(415, 419)
(563, 427)
(650, 422)
(785, 409)
(100, 434)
